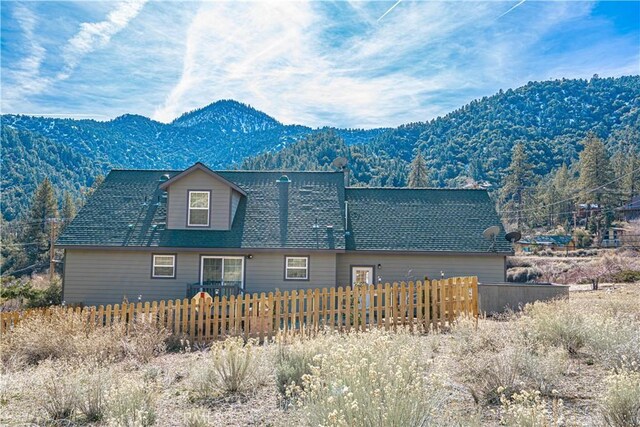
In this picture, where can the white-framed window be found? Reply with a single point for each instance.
(222, 271)
(199, 205)
(163, 267)
(296, 268)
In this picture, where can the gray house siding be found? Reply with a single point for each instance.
(265, 272)
(395, 267)
(235, 200)
(107, 276)
(178, 199)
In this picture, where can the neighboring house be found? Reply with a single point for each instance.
(630, 211)
(553, 242)
(152, 235)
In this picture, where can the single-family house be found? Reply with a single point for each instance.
(158, 234)
(631, 210)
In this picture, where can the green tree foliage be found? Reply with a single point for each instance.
(418, 173)
(318, 150)
(516, 194)
(596, 184)
(27, 158)
(43, 213)
(595, 171)
(68, 209)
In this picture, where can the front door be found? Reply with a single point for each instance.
(361, 276)
(223, 275)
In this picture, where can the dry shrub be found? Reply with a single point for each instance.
(56, 392)
(528, 409)
(293, 360)
(557, 324)
(131, 403)
(523, 274)
(231, 367)
(616, 342)
(94, 383)
(620, 404)
(496, 359)
(376, 378)
(145, 340)
(67, 335)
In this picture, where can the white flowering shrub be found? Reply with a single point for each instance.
(371, 379)
(528, 409)
(620, 405)
(131, 403)
(294, 359)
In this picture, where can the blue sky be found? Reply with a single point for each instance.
(347, 64)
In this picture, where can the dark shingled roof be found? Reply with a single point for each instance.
(128, 210)
(439, 220)
(124, 212)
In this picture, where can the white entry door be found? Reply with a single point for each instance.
(361, 276)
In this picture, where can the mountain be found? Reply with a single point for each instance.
(473, 142)
(221, 135)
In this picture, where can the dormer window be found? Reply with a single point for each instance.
(199, 206)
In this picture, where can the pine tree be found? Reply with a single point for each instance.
(562, 185)
(418, 174)
(516, 192)
(594, 182)
(594, 171)
(44, 207)
(68, 209)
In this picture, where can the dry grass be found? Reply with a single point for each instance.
(572, 362)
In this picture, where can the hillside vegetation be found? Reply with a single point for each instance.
(472, 143)
(475, 142)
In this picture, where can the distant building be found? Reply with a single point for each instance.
(631, 210)
(554, 243)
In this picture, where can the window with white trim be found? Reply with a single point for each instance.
(198, 208)
(296, 268)
(164, 266)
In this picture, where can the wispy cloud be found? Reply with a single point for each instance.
(25, 75)
(94, 35)
(356, 64)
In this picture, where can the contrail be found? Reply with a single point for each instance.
(390, 9)
(519, 3)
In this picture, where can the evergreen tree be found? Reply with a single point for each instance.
(595, 171)
(68, 209)
(563, 204)
(517, 183)
(44, 208)
(418, 174)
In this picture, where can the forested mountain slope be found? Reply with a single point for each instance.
(475, 141)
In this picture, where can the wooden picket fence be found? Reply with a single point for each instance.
(419, 306)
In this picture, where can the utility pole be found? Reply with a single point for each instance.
(52, 250)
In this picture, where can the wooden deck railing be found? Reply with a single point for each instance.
(417, 306)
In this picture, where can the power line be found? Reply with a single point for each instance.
(571, 199)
